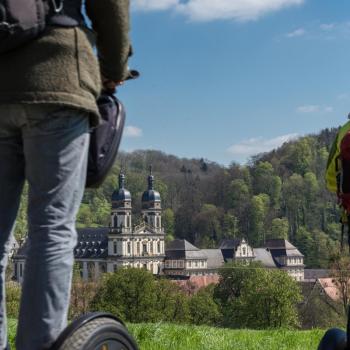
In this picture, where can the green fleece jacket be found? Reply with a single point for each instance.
(61, 68)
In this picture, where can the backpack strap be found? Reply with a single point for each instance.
(63, 15)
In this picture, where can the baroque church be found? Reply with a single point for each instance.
(121, 244)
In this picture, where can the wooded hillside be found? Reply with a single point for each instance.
(278, 194)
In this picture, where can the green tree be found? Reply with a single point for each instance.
(230, 226)
(238, 194)
(85, 217)
(130, 294)
(259, 210)
(279, 228)
(171, 303)
(101, 209)
(254, 297)
(294, 202)
(203, 308)
(168, 219)
(301, 155)
(207, 223)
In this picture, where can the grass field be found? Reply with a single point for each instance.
(174, 337)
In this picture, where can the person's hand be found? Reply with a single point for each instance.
(110, 85)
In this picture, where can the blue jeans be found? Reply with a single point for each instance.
(46, 145)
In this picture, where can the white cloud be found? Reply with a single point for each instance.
(327, 26)
(296, 33)
(132, 131)
(258, 145)
(209, 10)
(154, 5)
(315, 109)
(308, 109)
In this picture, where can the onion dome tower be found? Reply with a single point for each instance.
(121, 208)
(151, 206)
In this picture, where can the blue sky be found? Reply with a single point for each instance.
(227, 79)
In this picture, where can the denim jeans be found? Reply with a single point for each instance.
(47, 146)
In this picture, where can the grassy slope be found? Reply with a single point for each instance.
(174, 337)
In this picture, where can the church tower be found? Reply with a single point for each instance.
(121, 208)
(151, 206)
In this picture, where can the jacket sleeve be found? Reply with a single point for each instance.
(110, 21)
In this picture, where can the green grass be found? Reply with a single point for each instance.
(174, 337)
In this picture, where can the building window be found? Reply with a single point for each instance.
(244, 251)
(144, 248)
(115, 268)
(202, 263)
(114, 247)
(190, 264)
(151, 247)
(158, 247)
(129, 248)
(138, 248)
(115, 221)
(103, 267)
(145, 266)
(20, 270)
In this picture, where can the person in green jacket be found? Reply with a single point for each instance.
(48, 92)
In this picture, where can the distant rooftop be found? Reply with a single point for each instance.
(264, 256)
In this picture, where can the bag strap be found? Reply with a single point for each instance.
(58, 17)
(57, 6)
